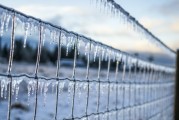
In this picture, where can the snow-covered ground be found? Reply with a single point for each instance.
(23, 103)
(129, 95)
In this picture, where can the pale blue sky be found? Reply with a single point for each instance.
(82, 16)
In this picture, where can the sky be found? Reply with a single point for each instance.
(93, 20)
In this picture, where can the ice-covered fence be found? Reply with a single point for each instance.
(121, 87)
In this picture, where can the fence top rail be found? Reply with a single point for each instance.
(117, 54)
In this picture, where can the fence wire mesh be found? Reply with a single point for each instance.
(111, 84)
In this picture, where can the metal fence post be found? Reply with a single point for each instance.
(176, 107)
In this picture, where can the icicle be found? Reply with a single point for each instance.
(71, 39)
(91, 86)
(53, 87)
(114, 56)
(80, 89)
(67, 48)
(103, 50)
(51, 36)
(78, 46)
(2, 88)
(17, 90)
(95, 52)
(26, 28)
(41, 88)
(63, 39)
(129, 65)
(85, 86)
(4, 15)
(124, 71)
(13, 86)
(43, 35)
(39, 85)
(70, 90)
(4, 85)
(33, 85)
(36, 28)
(17, 86)
(84, 119)
(54, 36)
(61, 86)
(45, 91)
(69, 44)
(86, 48)
(106, 54)
(30, 89)
(31, 27)
(103, 87)
(96, 87)
(7, 21)
(6, 82)
(77, 87)
(23, 25)
(111, 88)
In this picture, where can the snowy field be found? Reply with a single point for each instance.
(146, 98)
(23, 98)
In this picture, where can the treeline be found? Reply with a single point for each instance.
(29, 54)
